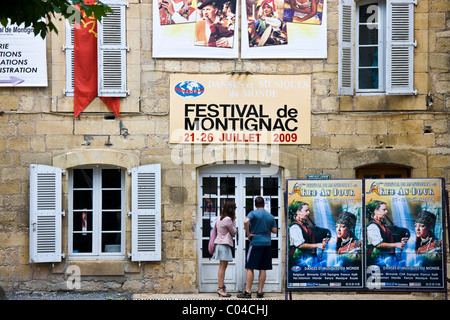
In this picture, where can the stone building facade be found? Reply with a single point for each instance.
(348, 134)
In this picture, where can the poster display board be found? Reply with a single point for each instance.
(405, 233)
(231, 109)
(371, 234)
(325, 247)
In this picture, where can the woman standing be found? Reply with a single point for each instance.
(226, 229)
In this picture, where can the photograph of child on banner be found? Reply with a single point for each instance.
(303, 11)
(177, 11)
(215, 24)
(265, 28)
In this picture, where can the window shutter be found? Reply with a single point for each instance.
(45, 213)
(146, 213)
(112, 52)
(68, 48)
(400, 47)
(346, 48)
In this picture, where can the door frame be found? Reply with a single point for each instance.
(235, 279)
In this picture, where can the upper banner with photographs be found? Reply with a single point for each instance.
(209, 29)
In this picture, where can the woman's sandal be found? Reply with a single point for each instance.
(222, 293)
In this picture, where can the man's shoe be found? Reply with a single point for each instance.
(259, 295)
(244, 295)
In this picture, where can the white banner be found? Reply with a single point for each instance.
(23, 61)
(181, 29)
(284, 29)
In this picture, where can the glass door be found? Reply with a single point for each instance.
(241, 184)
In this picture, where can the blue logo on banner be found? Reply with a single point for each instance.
(189, 89)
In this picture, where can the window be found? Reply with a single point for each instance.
(376, 47)
(112, 50)
(370, 46)
(96, 212)
(96, 219)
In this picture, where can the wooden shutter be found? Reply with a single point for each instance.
(346, 47)
(400, 47)
(146, 213)
(45, 213)
(68, 48)
(112, 52)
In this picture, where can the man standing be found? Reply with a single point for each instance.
(258, 226)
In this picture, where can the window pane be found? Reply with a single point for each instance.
(206, 228)
(249, 202)
(227, 186)
(252, 186)
(274, 207)
(111, 242)
(205, 252)
(368, 34)
(82, 221)
(111, 178)
(111, 221)
(368, 78)
(82, 178)
(82, 243)
(209, 206)
(270, 186)
(209, 186)
(368, 56)
(82, 199)
(111, 199)
(368, 13)
(222, 203)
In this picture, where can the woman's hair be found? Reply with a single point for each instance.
(228, 209)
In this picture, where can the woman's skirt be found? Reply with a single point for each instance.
(222, 252)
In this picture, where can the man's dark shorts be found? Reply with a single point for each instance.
(259, 258)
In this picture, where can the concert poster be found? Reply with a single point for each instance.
(404, 234)
(324, 234)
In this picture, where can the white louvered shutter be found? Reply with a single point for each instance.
(146, 213)
(112, 50)
(45, 213)
(346, 47)
(68, 48)
(400, 47)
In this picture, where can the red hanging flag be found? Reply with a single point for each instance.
(86, 66)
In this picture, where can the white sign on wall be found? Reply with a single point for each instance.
(23, 59)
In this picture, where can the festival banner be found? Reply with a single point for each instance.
(195, 29)
(23, 61)
(405, 233)
(250, 109)
(324, 234)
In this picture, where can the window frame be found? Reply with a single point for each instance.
(97, 231)
(381, 21)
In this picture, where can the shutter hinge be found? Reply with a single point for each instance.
(63, 213)
(129, 213)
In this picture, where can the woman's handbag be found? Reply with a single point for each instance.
(212, 239)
